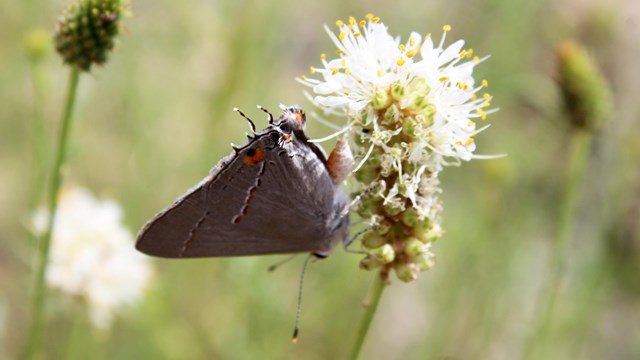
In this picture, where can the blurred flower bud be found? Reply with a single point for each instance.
(585, 92)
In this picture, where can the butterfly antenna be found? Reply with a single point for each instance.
(281, 262)
(296, 327)
(270, 116)
(253, 126)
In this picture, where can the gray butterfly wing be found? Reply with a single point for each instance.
(270, 197)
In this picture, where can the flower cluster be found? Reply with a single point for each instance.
(92, 255)
(412, 109)
(86, 33)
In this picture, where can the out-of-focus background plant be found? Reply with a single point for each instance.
(153, 122)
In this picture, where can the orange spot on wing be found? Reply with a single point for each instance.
(254, 156)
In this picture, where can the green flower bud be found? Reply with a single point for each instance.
(425, 261)
(415, 247)
(369, 204)
(428, 112)
(398, 91)
(86, 32)
(385, 254)
(430, 235)
(391, 116)
(393, 208)
(381, 226)
(409, 127)
(381, 100)
(410, 217)
(372, 240)
(38, 44)
(587, 96)
(406, 272)
(370, 263)
(367, 174)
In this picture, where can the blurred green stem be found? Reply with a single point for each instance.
(40, 142)
(37, 313)
(372, 304)
(576, 167)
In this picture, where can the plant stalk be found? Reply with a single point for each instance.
(38, 301)
(577, 164)
(371, 306)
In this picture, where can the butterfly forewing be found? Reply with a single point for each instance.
(269, 197)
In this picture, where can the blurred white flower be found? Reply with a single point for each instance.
(92, 255)
(412, 109)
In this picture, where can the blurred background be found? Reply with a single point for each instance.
(157, 117)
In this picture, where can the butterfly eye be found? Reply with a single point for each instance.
(254, 156)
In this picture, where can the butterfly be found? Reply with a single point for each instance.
(276, 194)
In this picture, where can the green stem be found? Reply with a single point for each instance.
(371, 306)
(41, 144)
(37, 322)
(577, 164)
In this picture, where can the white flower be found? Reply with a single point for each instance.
(412, 109)
(92, 255)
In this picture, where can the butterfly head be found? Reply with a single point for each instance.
(292, 119)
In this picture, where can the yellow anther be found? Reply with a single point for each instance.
(483, 114)
(334, 71)
(486, 104)
(469, 53)
(485, 83)
(486, 96)
(312, 70)
(402, 48)
(446, 28)
(323, 56)
(458, 143)
(346, 93)
(471, 123)
(468, 142)
(463, 53)
(339, 52)
(375, 20)
(356, 34)
(411, 53)
(303, 77)
(347, 71)
(342, 35)
(475, 133)
(474, 96)
(363, 23)
(340, 23)
(369, 16)
(443, 79)
(412, 41)
(400, 62)
(352, 20)
(476, 59)
(343, 62)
